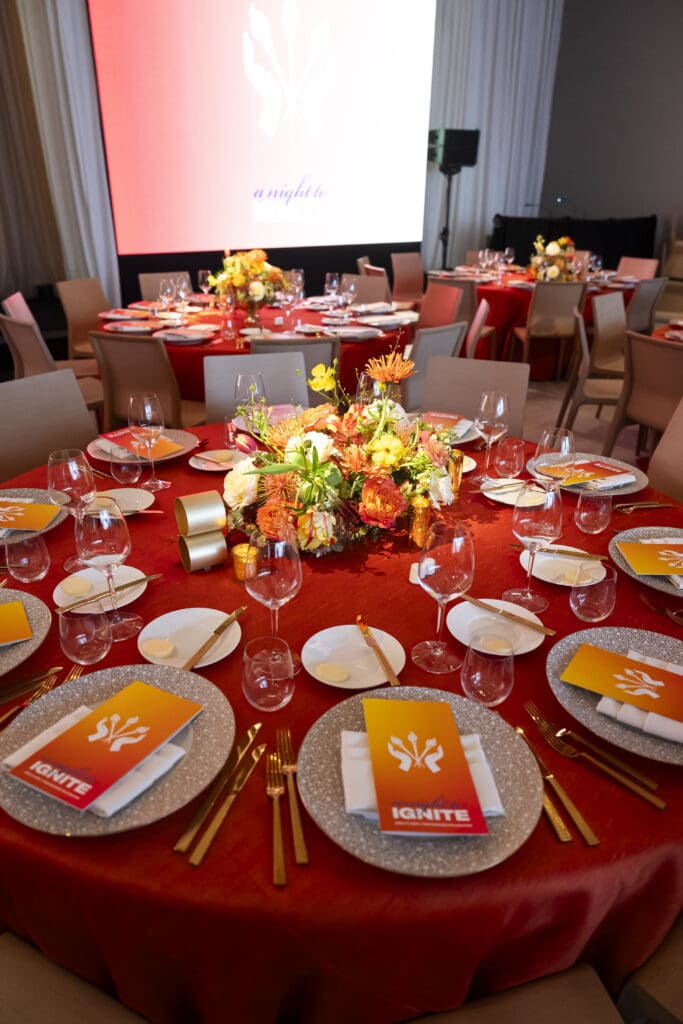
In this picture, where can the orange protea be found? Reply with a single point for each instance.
(280, 433)
(436, 450)
(281, 486)
(320, 417)
(381, 502)
(390, 369)
(355, 459)
(271, 517)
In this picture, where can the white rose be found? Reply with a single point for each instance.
(239, 488)
(552, 272)
(322, 443)
(256, 290)
(552, 249)
(440, 489)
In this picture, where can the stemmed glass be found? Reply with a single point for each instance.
(273, 574)
(349, 292)
(103, 542)
(331, 289)
(167, 287)
(536, 521)
(508, 255)
(146, 421)
(203, 281)
(183, 290)
(555, 455)
(250, 394)
(71, 484)
(446, 571)
(286, 296)
(492, 422)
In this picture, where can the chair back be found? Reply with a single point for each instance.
(30, 354)
(361, 263)
(149, 282)
(131, 364)
(284, 379)
(439, 305)
(472, 258)
(551, 310)
(674, 263)
(314, 353)
(455, 385)
(408, 276)
(429, 342)
(476, 327)
(633, 266)
(82, 301)
(664, 469)
(380, 272)
(16, 306)
(653, 379)
(368, 289)
(44, 412)
(609, 334)
(640, 314)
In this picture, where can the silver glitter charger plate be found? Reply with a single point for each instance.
(207, 741)
(582, 703)
(39, 617)
(639, 484)
(662, 583)
(183, 437)
(36, 494)
(514, 768)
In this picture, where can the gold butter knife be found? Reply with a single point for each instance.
(208, 644)
(378, 652)
(103, 594)
(239, 780)
(509, 615)
(565, 553)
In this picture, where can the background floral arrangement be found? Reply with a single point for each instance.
(552, 261)
(337, 477)
(250, 276)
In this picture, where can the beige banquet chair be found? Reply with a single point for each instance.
(430, 342)
(17, 307)
(634, 266)
(479, 330)
(665, 470)
(455, 385)
(313, 351)
(653, 385)
(439, 306)
(284, 380)
(408, 278)
(586, 388)
(131, 364)
(42, 413)
(82, 301)
(640, 313)
(379, 272)
(368, 289)
(149, 282)
(361, 263)
(550, 317)
(31, 356)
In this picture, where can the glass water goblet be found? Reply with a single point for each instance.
(28, 560)
(166, 298)
(125, 470)
(71, 484)
(492, 423)
(85, 638)
(536, 522)
(103, 542)
(594, 602)
(146, 421)
(555, 455)
(331, 289)
(509, 457)
(349, 292)
(509, 255)
(273, 574)
(593, 511)
(268, 673)
(203, 281)
(446, 571)
(488, 677)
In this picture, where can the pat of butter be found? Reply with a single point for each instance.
(157, 647)
(76, 586)
(331, 672)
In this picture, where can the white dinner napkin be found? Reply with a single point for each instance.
(122, 792)
(126, 327)
(372, 307)
(23, 501)
(647, 721)
(359, 784)
(676, 580)
(354, 333)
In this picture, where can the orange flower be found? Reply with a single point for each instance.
(381, 503)
(355, 459)
(390, 369)
(437, 451)
(280, 485)
(271, 517)
(280, 433)
(320, 417)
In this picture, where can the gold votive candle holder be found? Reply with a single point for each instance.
(455, 464)
(200, 513)
(203, 550)
(419, 519)
(243, 556)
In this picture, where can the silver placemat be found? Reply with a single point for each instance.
(662, 583)
(39, 617)
(515, 770)
(207, 741)
(639, 484)
(36, 495)
(183, 437)
(582, 703)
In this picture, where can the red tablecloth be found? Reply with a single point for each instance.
(343, 941)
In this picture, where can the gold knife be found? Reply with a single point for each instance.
(509, 615)
(105, 593)
(23, 686)
(219, 817)
(236, 754)
(552, 813)
(378, 652)
(624, 780)
(565, 552)
(208, 644)
(572, 810)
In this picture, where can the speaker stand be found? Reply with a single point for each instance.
(444, 235)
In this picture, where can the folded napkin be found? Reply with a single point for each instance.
(674, 335)
(354, 333)
(110, 448)
(8, 529)
(129, 327)
(647, 721)
(676, 580)
(373, 308)
(359, 784)
(122, 792)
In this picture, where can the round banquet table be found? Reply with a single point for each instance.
(343, 940)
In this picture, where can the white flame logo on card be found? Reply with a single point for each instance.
(638, 683)
(8, 513)
(672, 558)
(291, 90)
(116, 737)
(431, 754)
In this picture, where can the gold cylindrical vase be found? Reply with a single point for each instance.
(203, 550)
(200, 513)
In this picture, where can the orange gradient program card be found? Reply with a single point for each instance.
(653, 559)
(126, 439)
(627, 680)
(14, 624)
(82, 763)
(442, 420)
(20, 515)
(583, 472)
(422, 779)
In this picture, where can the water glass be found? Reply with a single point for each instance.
(595, 601)
(28, 560)
(268, 673)
(126, 470)
(487, 676)
(593, 511)
(509, 458)
(85, 638)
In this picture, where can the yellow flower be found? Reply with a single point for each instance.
(238, 280)
(386, 451)
(322, 378)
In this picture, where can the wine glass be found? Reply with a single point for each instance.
(349, 291)
(273, 574)
(146, 421)
(536, 522)
(250, 395)
(103, 542)
(331, 289)
(487, 676)
(446, 571)
(166, 293)
(203, 281)
(555, 455)
(183, 291)
(492, 422)
(71, 485)
(509, 255)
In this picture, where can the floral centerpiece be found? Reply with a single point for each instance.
(339, 476)
(552, 261)
(251, 279)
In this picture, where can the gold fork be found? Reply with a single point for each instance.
(567, 750)
(74, 672)
(44, 688)
(286, 752)
(275, 788)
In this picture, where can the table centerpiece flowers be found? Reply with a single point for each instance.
(338, 476)
(252, 280)
(552, 261)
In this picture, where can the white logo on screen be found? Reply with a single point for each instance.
(291, 68)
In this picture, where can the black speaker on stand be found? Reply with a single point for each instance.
(452, 149)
